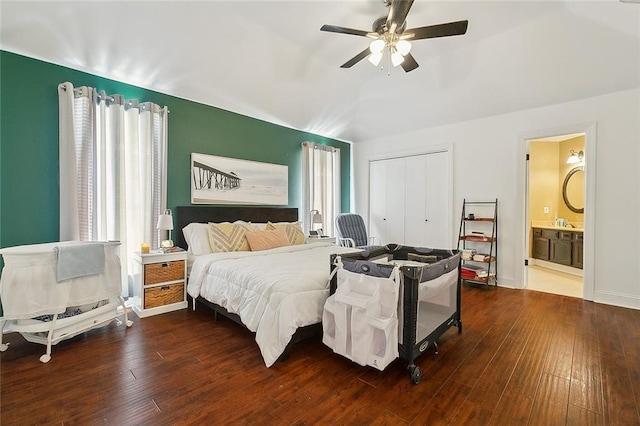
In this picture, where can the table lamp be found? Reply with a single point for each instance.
(165, 223)
(316, 217)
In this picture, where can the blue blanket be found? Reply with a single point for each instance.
(79, 260)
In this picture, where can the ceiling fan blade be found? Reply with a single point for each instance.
(343, 30)
(398, 12)
(440, 30)
(409, 63)
(360, 56)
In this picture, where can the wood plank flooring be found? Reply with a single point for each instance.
(523, 358)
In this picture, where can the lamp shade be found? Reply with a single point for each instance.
(376, 46)
(316, 216)
(403, 47)
(375, 58)
(397, 58)
(165, 221)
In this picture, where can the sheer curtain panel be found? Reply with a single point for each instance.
(321, 185)
(112, 170)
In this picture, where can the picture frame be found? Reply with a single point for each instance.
(224, 180)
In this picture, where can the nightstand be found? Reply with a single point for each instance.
(160, 283)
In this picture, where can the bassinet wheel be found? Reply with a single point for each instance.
(129, 323)
(45, 358)
(414, 372)
(4, 347)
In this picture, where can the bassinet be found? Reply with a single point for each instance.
(29, 289)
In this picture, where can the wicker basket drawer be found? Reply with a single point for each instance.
(163, 295)
(162, 272)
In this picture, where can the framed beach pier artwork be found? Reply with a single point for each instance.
(223, 180)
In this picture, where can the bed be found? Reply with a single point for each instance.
(277, 293)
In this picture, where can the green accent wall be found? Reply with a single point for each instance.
(29, 202)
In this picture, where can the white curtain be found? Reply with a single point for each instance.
(321, 185)
(112, 170)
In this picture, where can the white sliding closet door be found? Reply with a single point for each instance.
(409, 200)
(386, 200)
(415, 202)
(437, 208)
(377, 201)
(396, 187)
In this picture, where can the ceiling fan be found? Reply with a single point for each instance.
(389, 35)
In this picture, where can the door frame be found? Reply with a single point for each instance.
(590, 132)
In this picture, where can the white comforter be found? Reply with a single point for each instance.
(273, 291)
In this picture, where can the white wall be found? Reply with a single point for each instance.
(486, 166)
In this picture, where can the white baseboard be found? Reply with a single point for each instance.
(617, 299)
(506, 283)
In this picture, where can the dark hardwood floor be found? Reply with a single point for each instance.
(523, 358)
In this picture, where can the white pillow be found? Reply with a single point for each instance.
(197, 237)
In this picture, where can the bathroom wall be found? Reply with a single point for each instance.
(544, 174)
(547, 170)
(565, 147)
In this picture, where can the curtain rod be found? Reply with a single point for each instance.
(118, 99)
(320, 146)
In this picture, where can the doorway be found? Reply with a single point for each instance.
(557, 244)
(555, 201)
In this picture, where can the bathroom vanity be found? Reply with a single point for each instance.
(558, 245)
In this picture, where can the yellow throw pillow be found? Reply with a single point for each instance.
(292, 229)
(267, 239)
(227, 236)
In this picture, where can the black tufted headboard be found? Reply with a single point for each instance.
(203, 214)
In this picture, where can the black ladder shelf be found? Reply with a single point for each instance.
(478, 241)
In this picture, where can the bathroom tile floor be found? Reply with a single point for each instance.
(550, 281)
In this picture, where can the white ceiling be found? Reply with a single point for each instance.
(269, 59)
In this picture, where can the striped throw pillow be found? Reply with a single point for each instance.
(292, 229)
(227, 236)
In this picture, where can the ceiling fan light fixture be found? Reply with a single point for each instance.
(375, 58)
(376, 46)
(403, 46)
(391, 38)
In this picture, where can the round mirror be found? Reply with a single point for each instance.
(573, 190)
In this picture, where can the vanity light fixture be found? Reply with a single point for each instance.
(575, 157)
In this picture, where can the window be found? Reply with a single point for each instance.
(112, 170)
(321, 185)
